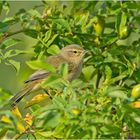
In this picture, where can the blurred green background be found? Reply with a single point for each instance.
(9, 79)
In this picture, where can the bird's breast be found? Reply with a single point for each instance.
(75, 71)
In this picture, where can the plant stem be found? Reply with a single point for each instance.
(16, 32)
(99, 75)
(6, 35)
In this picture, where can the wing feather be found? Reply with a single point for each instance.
(40, 74)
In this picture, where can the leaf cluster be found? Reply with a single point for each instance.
(97, 105)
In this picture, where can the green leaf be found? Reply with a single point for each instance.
(6, 7)
(70, 130)
(131, 67)
(10, 20)
(15, 64)
(108, 73)
(9, 54)
(62, 23)
(58, 132)
(12, 53)
(123, 20)
(68, 40)
(76, 83)
(32, 33)
(29, 51)
(9, 42)
(83, 135)
(133, 5)
(82, 19)
(52, 81)
(88, 71)
(37, 64)
(45, 134)
(47, 36)
(109, 129)
(52, 119)
(4, 94)
(64, 70)
(3, 132)
(119, 77)
(111, 40)
(51, 40)
(135, 117)
(94, 132)
(34, 13)
(118, 94)
(3, 27)
(53, 49)
(118, 21)
(0, 7)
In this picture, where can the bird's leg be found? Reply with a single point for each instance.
(47, 92)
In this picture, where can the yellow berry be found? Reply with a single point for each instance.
(136, 91)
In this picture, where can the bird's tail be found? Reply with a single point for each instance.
(14, 100)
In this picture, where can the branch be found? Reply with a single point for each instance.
(16, 32)
(6, 35)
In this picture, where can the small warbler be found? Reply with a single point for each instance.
(72, 55)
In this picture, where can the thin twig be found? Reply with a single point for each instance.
(16, 32)
(6, 35)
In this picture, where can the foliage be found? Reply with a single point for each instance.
(99, 103)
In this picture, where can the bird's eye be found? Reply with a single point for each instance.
(75, 52)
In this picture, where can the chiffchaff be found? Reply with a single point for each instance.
(72, 55)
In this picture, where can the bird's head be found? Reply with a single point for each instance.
(73, 53)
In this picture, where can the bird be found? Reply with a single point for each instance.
(72, 54)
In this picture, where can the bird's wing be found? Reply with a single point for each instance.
(40, 74)
(55, 61)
